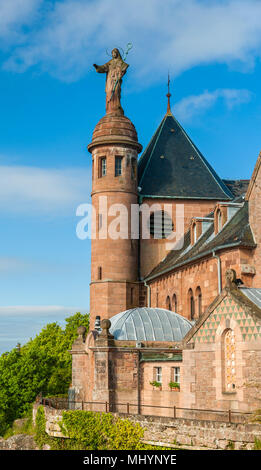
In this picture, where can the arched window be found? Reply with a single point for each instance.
(191, 303)
(99, 273)
(229, 358)
(174, 303)
(160, 224)
(199, 301)
(168, 303)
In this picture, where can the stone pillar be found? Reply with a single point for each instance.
(103, 381)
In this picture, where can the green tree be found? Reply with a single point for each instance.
(41, 365)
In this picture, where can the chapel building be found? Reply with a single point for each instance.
(177, 310)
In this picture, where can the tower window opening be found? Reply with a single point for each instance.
(99, 273)
(102, 167)
(118, 166)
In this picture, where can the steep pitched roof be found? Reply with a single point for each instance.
(236, 232)
(172, 166)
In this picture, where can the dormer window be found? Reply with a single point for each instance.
(220, 217)
(219, 220)
(194, 233)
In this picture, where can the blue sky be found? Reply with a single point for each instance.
(51, 98)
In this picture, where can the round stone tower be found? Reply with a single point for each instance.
(114, 253)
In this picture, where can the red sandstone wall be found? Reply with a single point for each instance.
(204, 365)
(254, 197)
(152, 250)
(203, 274)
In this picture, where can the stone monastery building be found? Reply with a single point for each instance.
(175, 326)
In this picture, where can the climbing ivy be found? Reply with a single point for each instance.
(87, 430)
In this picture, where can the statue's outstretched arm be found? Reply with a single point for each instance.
(101, 68)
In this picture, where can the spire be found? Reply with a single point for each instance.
(168, 96)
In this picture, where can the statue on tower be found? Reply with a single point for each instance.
(114, 69)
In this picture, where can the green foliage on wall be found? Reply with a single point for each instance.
(41, 365)
(101, 431)
(87, 430)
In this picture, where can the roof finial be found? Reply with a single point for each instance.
(168, 96)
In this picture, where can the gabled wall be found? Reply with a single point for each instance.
(207, 360)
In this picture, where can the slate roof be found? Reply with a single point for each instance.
(236, 232)
(172, 166)
(149, 324)
(237, 187)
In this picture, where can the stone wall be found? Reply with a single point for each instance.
(179, 431)
(203, 275)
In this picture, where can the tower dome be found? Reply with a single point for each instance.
(149, 324)
(115, 129)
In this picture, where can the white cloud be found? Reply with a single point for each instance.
(174, 35)
(14, 14)
(193, 105)
(33, 190)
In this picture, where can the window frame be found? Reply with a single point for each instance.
(118, 166)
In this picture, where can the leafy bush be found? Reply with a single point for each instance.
(88, 430)
(41, 365)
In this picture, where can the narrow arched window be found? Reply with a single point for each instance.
(174, 303)
(229, 358)
(191, 303)
(168, 303)
(199, 301)
(99, 273)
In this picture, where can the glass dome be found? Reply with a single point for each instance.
(149, 324)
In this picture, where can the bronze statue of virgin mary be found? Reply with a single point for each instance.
(114, 69)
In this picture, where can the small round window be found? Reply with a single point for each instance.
(160, 225)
